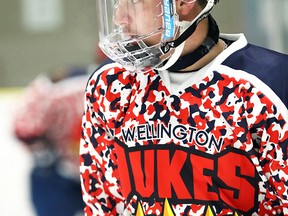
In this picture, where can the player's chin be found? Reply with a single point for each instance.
(152, 41)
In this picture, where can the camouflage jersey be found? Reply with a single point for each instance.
(215, 146)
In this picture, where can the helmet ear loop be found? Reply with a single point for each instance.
(184, 7)
(188, 29)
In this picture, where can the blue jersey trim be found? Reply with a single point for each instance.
(269, 66)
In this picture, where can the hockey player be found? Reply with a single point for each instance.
(184, 121)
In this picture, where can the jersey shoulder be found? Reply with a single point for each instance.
(255, 59)
(269, 66)
(108, 90)
(105, 75)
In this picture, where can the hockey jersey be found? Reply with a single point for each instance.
(217, 145)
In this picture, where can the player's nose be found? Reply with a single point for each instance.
(121, 16)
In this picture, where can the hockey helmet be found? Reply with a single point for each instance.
(141, 34)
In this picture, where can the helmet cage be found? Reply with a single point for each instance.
(131, 51)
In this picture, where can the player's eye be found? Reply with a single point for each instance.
(135, 1)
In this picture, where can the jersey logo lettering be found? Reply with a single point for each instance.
(181, 174)
(180, 132)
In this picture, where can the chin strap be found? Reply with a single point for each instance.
(210, 41)
(179, 43)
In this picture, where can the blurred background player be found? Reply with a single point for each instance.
(48, 121)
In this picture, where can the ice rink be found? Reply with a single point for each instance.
(15, 162)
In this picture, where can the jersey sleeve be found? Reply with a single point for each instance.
(271, 135)
(272, 121)
(98, 166)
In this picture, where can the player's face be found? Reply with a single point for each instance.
(139, 17)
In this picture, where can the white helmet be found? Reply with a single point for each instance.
(141, 34)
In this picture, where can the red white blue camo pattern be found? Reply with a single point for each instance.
(216, 147)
